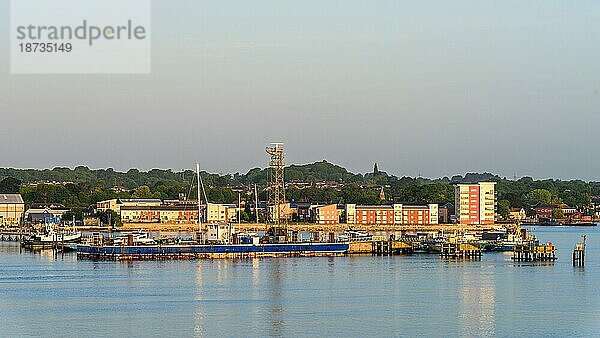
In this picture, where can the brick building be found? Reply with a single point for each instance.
(160, 214)
(392, 214)
(544, 211)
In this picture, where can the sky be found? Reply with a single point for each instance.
(429, 88)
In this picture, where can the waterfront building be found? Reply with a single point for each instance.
(12, 209)
(325, 214)
(160, 214)
(36, 215)
(416, 214)
(445, 212)
(221, 213)
(216, 213)
(116, 203)
(374, 214)
(568, 211)
(475, 203)
(301, 211)
(544, 211)
(286, 209)
(517, 214)
(350, 213)
(392, 214)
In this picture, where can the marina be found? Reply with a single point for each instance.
(307, 296)
(300, 169)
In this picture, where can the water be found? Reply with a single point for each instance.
(421, 295)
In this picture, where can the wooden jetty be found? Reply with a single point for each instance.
(579, 253)
(532, 251)
(169, 252)
(391, 247)
(461, 250)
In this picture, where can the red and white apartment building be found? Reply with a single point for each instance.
(475, 203)
(392, 214)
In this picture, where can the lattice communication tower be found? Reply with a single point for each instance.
(276, 183)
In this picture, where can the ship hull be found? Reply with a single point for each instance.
(211, 251)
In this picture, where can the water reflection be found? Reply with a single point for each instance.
(255, 294)
(477, 299)
(358, 295)
(275, 301)
(331, 265)
(199, 314)
(48, 254)
(255, 273)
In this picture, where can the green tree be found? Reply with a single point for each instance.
(557, 214)
(503, 208)
(142, 192)
(110, 217)
(10, 185)
(244, 216)
(76, 213)
(542, 196)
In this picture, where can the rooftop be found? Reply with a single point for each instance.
(383, 206)
(163, 208)
(11, 199)
(415, 206)
(139, 200)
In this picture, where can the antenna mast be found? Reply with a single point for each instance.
(276, 183)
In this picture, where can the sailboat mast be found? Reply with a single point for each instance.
(256, 203)
(199, 208)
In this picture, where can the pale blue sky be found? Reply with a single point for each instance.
(402, 83)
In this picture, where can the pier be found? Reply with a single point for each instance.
(579, 253)
(531, 251)
(170, 252)
(461, 250)
(391, 247)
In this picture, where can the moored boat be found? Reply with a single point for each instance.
(49, 237)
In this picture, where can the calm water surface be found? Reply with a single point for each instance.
(420, 295)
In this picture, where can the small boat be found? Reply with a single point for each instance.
(580, 224)
(351, 235)
(48, 237)
(502, 244)
(134, 238)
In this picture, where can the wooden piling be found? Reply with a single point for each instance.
(531, 251)
(579, 253)
(460, 250)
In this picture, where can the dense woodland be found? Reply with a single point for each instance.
(84, 186)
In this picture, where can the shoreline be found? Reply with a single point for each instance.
(311, 227)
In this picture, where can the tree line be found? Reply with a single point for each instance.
(81, 187)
